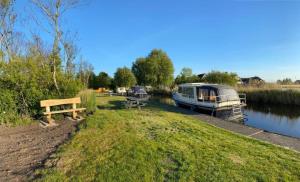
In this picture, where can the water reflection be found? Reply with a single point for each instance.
(283, 120)
(292, 112)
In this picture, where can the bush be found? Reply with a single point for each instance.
(25, 82)
(218, 77)
(88, 100)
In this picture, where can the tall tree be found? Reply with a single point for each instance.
(164, 68)
(103, 80)
(156, 69)
(85, 72)
(186, 76)
(124, 77)
(144, 71)
(53, 11)
(7, 22)
(187, 72)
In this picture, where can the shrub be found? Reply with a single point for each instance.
(24, 82)
(88, 100)
(221, 78)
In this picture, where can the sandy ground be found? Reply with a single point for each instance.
(24, 149)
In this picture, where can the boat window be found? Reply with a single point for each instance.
(180, 90)
(203, 94)
(228, 94)
(212, 96)
(188, 92)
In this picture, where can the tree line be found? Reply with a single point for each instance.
(157, 70)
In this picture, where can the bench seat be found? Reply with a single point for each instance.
(64, 111)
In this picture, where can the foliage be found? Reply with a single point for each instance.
(144, 71)
(187, 72)
(164, 68)
(88, 100)
(221, 78)
(286, 81)
(104, 80)
(187, 76)
(158, 143)
(124, 78)
(155, 70)
(23, 84)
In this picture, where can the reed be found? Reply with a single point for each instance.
(272, 95)
(88, 100)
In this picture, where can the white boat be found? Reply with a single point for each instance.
(212, 97)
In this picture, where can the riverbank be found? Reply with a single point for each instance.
(160, 143)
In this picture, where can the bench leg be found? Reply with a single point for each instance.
(74, 112)
(50, 121)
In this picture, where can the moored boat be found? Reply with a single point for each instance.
(213, 97)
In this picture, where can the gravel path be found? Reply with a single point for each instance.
(24, 149)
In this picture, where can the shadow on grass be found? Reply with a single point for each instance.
(151, 104)
(113, 105)
(170, 108)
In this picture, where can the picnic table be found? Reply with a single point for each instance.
(135, 102)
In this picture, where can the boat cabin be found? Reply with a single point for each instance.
(207, 96)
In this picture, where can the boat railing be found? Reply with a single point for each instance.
(223, 98)
(218, 99)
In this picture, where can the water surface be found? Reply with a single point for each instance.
(279, 119)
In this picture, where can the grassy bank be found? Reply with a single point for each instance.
(272, 95)
(158, 143)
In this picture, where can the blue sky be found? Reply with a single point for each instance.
(247, 37)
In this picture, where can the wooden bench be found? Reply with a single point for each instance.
(57, 102)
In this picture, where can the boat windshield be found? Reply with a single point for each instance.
(228, 95)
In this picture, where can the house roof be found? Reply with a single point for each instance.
(252, 78)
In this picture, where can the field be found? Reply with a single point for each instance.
(158, 143)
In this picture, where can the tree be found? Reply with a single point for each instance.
(156, 69)
(85, 72)
(124, 78)
(222, 78)
(53, 11)
(286, 81)
(144, 71)
(186, 76)
(164, 68)
(186, 72)
(7, 22)
(103, 80)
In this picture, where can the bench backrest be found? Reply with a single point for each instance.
(57, 102)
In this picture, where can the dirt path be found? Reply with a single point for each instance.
(24, 149)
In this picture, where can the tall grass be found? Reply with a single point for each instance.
(272, 95)
(88, 100)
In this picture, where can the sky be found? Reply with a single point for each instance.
(248, 37)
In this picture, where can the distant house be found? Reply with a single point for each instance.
(201, 76)
(252, 81)
(297, 82)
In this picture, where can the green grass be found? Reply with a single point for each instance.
(158, 143)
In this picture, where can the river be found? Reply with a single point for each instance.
(283, 120)
(278, 119)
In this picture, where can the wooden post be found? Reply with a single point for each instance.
(49, 119)
(74, 111)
